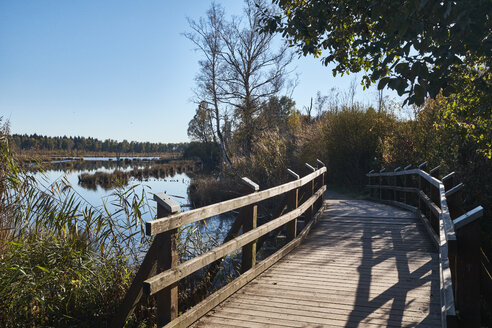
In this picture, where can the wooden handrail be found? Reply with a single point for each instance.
(166, 278)
(163, 283)
(445, 233)
(436, 205)
(177, 220)
(222, 294)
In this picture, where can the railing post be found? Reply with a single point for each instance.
(396, 184)
(321, 180)
(455, 207)
(406, 183)
(467, 285)
(167, 299)
(448, 181)
(454, 198)
(371, 190)
(381, 183)
(436, 199)
(249, 223)
(292, 204)
(422, 206)
(435, 193)
(148, 267)
(435, 172)
(309, 192)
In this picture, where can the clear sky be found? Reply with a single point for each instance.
(115, 69)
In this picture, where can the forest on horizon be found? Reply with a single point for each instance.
(40, 143)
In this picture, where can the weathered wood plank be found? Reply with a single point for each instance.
(213, 300)
(309, 314)
(346, 274)
(174, 221)
(419, 306)
(164, 279)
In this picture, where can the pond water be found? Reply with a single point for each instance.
(175, 185)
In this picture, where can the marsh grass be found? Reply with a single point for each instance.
(66, 263)
(63, 262)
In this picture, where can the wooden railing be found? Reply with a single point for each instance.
(456, 234)
(159, 273)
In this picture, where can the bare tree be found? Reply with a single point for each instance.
(240, 69)
(380, 100)
(320, 104)
(352, 90)
(253, 70)
(206, 35)
(309, 109)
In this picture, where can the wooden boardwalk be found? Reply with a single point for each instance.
(363, 265)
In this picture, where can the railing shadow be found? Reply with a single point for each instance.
(385, 245)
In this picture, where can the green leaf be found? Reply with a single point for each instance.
(42, 268)
(420, 94)
(383, 82)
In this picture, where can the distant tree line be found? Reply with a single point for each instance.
(36, 142)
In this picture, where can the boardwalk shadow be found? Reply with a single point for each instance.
(401, 245)
(396, 294)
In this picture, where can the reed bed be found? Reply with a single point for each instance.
(110, 180)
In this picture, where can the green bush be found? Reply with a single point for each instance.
(348, 142)
(58, 282)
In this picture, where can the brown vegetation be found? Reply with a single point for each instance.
(121, 178)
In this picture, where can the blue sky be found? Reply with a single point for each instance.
(113, 69)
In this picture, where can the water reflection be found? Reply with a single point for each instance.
(173, 183)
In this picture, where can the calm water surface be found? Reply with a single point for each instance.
(175, 186)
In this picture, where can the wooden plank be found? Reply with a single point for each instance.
(448, 226)
(321, 283)
(250, 212)
(248, 254)
(216, 298)
(292, 204)
(167, 299)
(175, 221)
(418, 288)
(410, 255)
(468, 217)
(334, 298)
(329, 214)
(419, 172)
(257, 306)
(340, 258)
(448, 311)
(455, 189)
(169, 204)
(164, 279)
(411, 309)
(383, 271)
(216, 321)
(268, 316)
(329, 307)
(341, 277)
(429, 203)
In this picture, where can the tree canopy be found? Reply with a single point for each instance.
(415, 47)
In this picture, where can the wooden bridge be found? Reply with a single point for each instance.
(346, 263)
